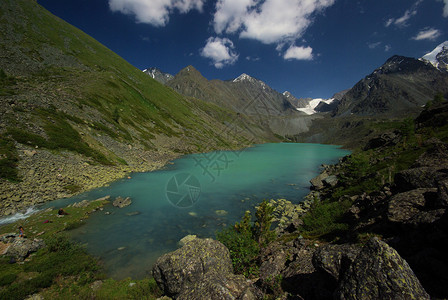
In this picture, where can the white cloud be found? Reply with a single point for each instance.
(230, 14)
(427, 34)
(389, 22)
(268, 21)
(155, 12)
(299, 53)
(280, 22)
(445, 8)
(387, 48)
(373, 45)
(250, 58)
(220, 51)
(408, 14)
(403, 21)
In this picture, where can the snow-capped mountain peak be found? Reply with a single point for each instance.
(438, 57)
(246, 78)
(243, 77)
(287, 94)
(158, 75)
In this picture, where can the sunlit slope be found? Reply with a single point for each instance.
(60, 81)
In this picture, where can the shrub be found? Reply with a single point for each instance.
(325, 218)
(244, 240)
(7, 279)
(72, 188)
(244, 250)
(8, 159)
(262, 227)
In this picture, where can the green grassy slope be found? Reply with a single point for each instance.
(61, 90)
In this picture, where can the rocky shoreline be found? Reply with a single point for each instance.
(46, 177)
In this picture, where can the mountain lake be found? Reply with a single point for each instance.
(195, 194)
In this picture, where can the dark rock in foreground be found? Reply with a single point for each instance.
(414, 207)
(201, 269)
(379, 272)
(20, 248)
(335, 259)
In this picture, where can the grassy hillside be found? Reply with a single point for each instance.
(63, 94)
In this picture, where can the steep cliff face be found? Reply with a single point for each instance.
(399, 87)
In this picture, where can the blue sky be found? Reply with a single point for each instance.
(312, 48)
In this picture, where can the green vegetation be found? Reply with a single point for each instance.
(61, 136)
(75, 89)
(63, 270)
(5, 84)
(246, 239)
(325, 218)
(72, 188)
(8, 159)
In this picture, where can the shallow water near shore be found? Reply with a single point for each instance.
(196, 194)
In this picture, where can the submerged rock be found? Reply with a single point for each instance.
(379, 272)
(133, 213)
(121, 202)
(221, 212)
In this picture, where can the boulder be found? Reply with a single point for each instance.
(274, 259)
(436, 156)
(221, 286)
(331, 181)
(186, 239)
(442, 193)
(121, 202)
(335, 259)
(379, 272)
(182, 269)
(20, 248)
(410, 179)
(317, 182)
(385, 139)
(414, 207)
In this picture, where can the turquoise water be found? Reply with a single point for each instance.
(184, 199)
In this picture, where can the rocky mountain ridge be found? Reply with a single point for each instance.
(438, 57)
(401, 86)
(263, 106)
(158, 75)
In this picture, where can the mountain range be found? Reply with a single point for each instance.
(250, 97)
(401, 86)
